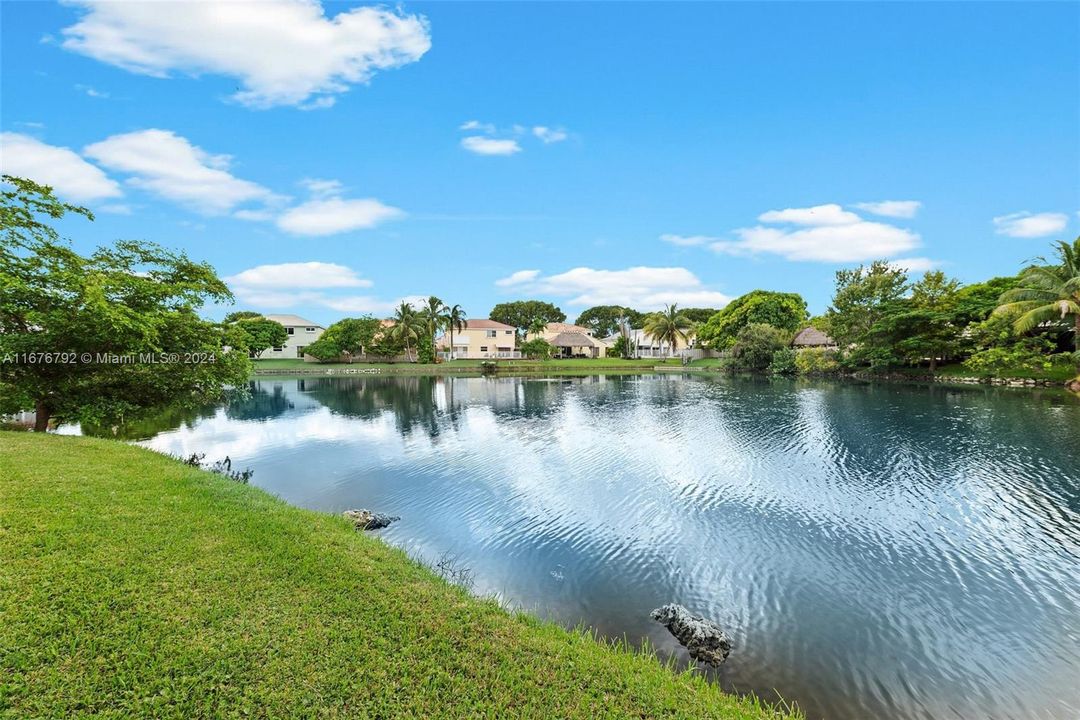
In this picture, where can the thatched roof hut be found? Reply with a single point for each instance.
(811, 337)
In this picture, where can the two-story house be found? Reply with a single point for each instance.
(300, 334)
(480, 340)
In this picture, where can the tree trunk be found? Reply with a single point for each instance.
(451, 355)
(933, 364)
(41, 416)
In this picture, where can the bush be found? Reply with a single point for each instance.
(998, 361)
(816, 361)
(756, 343)
(783, 362)
(537, 349)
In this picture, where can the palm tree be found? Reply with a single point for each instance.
(455, 320)
(1048, 293)
(668, 326)
(536, 327)
(407, 325)
(434, 316)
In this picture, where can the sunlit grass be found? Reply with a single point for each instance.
(134, 586)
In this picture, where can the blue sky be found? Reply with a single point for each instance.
(332, 160)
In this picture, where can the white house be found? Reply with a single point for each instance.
(301, 333)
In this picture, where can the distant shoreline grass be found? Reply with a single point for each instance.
(297, 366)
(135, 586)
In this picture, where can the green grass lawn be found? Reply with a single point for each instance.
(134, 586)
(1060, 373)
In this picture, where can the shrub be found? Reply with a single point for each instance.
(783, 362)
(537, 349)
(756, 343)
(816, 361)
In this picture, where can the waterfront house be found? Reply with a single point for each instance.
(300, 333)
(481, 339)
(571, 341)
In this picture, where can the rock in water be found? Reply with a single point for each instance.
(705, 640)
(367, 520)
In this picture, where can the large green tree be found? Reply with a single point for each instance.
(261, 334)
(757, 343)
(786, 311)
(863, 296)
(1048, 293)
(105, 336)
(605, 320)
(347, 338)
(521, 313)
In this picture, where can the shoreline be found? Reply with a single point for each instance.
(220, 595)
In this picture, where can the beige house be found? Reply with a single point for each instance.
(572, 341)
(300, 334)
(480, 340)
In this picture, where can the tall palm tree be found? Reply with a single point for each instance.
(1048, 293)
(668, 326)
(434, 316)
(537, 327)
(408, 325)
(455, 320)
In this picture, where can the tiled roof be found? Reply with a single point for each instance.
(485, 324)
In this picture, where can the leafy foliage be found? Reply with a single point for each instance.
(786, 311)
(605, 320)
(669, 326)
(863, 296)
(261, 334)
(1048, 293)
(521, 313)
(816, 361)
(783, 362)
(346, 339)
(756, 344)
(537, 349)
(123, 319)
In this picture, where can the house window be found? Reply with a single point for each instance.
(309, 329)
(508, 332)
(278, 348)
(299, 351)
(491, 333)
(289, 330)
(483, 348)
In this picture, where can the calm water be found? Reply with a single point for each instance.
(875, 551)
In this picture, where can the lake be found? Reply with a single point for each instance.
(887, 551)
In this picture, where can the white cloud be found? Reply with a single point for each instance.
(915, 264)
(70, 176)
(334, 215)
(643, 288)
(490, 146)
(92, 92)
(283, 52)
(687, 240)
(320, 188)
(165, 164)
(521, 276)
(367, 304)
(1030, 225)
(297, 275)
(477, 125)
(832, 243)
(549, 135)
(892, 208)
(830, 214)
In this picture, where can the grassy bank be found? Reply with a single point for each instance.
(134, 586)
(297, 366)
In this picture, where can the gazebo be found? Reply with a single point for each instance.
(811, 337)
(572, 344)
